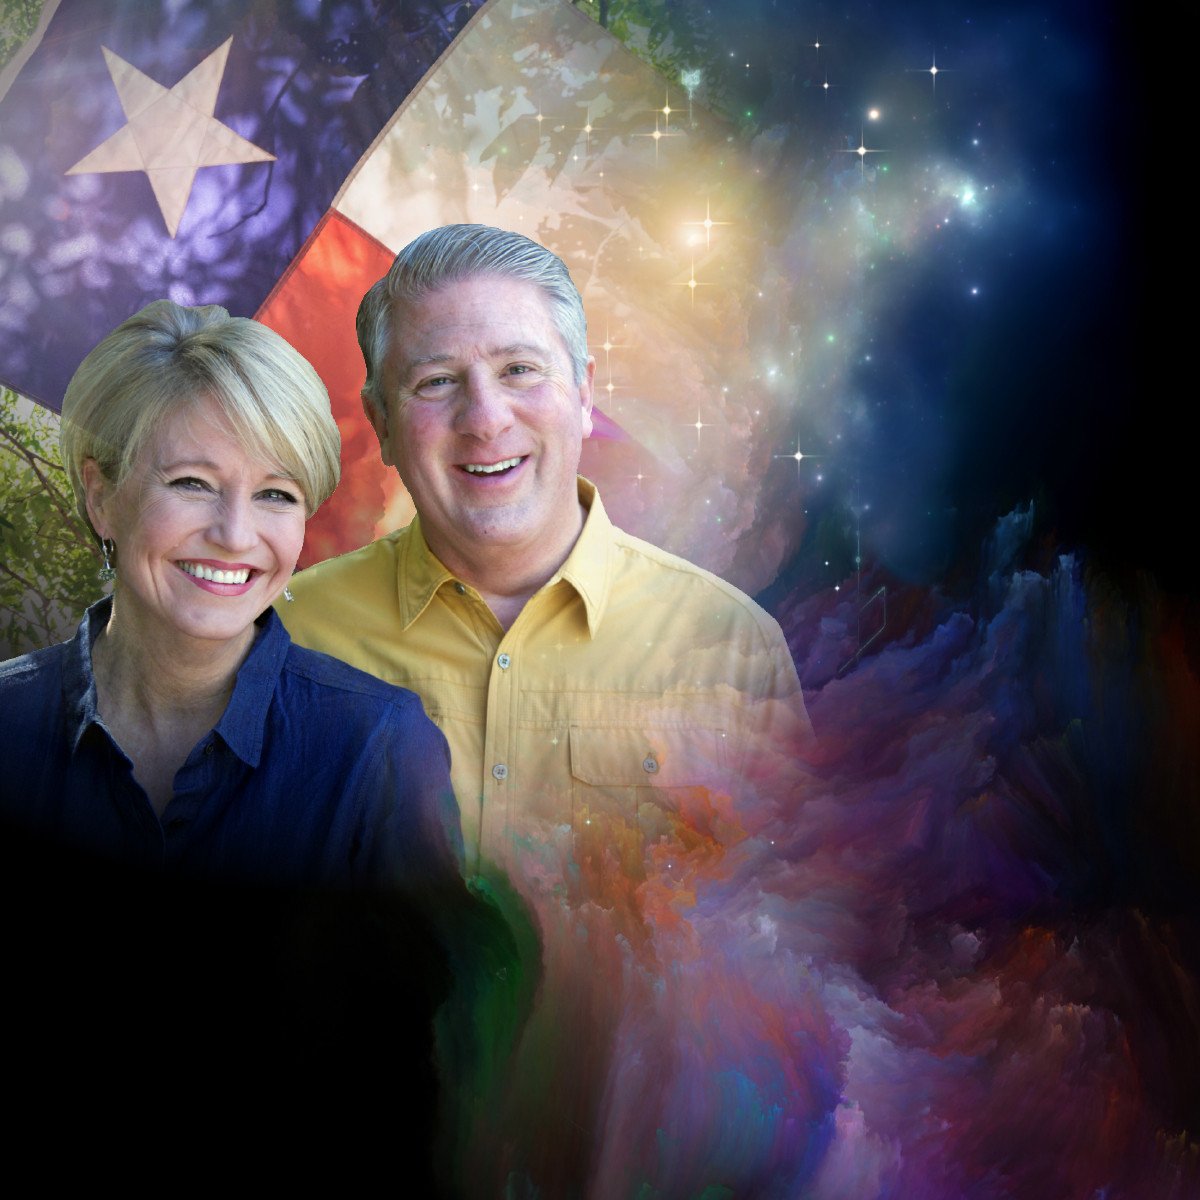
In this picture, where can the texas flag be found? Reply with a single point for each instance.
(273, 159)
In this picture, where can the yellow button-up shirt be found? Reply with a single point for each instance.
(634, 696)
(611, 754)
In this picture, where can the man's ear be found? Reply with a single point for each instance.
(586, 390)
(379, 422)
(96, 490)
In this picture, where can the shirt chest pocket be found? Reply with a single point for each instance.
(635, 788)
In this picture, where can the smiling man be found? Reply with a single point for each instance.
(618, 718)
(581, 675)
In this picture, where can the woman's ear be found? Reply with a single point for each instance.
(96, 490)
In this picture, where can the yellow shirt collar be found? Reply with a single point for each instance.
(420, 573)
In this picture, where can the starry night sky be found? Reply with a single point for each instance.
(1005, 361)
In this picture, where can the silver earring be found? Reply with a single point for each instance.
(109, 549)
(287, 595)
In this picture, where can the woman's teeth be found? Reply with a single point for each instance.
(202, 572)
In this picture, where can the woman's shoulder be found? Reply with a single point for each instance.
(43, 670)
(33, 711)
(29, 672)
(330, 680)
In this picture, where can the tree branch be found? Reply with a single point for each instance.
(29, 587)
(29, 456)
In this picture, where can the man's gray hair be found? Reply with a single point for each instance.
(454, 253)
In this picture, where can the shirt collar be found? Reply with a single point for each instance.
(241, 725)
(79, 684)
(587, 566)
(420, 572)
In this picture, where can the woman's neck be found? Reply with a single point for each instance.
(159, 693)
(159, 673)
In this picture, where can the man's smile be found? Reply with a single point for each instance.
(493, 468)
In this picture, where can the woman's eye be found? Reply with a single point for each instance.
(188, 483)
(280, 496)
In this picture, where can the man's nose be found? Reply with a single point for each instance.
(485, 409)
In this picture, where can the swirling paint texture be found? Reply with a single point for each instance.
(923, 976)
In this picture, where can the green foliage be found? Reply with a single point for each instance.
(18, 20)
(676, 37)
(48, 559)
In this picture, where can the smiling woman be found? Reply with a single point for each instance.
(208, 535)
(180, 727)
(201, 821)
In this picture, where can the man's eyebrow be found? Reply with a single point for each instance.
(519, 348)
(415, 364)
(412, 364)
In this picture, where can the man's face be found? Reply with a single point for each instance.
(483, 420)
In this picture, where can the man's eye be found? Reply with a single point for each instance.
(435, 381)
(520, 369)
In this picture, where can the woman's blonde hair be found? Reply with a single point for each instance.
(165, 358)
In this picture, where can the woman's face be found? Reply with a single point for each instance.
(207, 535)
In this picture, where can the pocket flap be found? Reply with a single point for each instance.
(637, 757)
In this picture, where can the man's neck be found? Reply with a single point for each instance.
(504, 576)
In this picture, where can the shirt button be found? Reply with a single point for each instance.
(210, 748)
(460, 589)
(650, 765)
(499, 771)
(504, 662)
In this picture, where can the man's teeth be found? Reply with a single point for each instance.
(481, 469)
(203, 572)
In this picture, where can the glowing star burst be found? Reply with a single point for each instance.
(667, 110)
(657, 135)
(539, 116)
(708, 223)
(692, 283)
(862, 152)
(587, 130)
(608, 345)
(799, 456)
(932, 71)
(698, 425)
(170, 133)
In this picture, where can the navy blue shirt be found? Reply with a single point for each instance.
(317, 773)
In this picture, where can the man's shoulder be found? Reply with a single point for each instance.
(343, 600)
(691, 588)
(375, 560)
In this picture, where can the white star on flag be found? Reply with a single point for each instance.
(171, 133)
